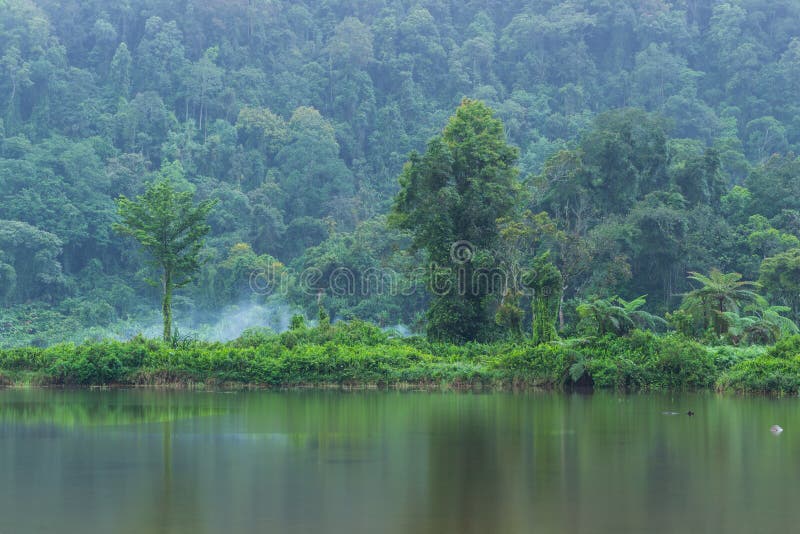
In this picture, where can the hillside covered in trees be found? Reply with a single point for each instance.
(652, 144)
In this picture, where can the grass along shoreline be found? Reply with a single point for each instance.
(359, 355)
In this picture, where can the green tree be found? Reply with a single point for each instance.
(171, 228)
(660, 226)
(780, 276)
(617, 316)
(450, 199)
(315, 186)
(774, 185)
(29, 266)
(160, 58)
(203, 85)
(547, 284)
(699, 179)
(660, 74)
(622, 158)
(120, 71)
(764, 326)
(719, 293)
(765, 136)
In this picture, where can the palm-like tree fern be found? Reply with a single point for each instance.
(718, 294)
(618, 316)
(765, 326)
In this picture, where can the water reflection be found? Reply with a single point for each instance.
(174, 462)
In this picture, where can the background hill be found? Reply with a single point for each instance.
(298, 117)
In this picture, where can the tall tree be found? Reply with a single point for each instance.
(171, 228)
(547, 284)
(450, 199)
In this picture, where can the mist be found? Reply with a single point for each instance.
(225, 325)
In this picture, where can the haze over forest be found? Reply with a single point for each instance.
(656, 138)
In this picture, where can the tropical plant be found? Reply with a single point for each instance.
(780, 276)
(719, 293)
(617, 316)
(765, 326)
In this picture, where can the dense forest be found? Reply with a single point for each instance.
(650, 149)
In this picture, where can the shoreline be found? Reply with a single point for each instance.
(231, 387)
(358, 356)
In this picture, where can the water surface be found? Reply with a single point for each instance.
(148, 461)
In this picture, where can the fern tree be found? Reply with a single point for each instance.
(718, 294)
(618, 316)
(765, 326)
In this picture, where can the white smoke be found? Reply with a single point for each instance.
(233, 320)
(225, 325)
(399, 330)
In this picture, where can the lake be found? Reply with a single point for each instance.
(154, 461)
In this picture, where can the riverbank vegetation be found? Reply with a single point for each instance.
(358, 354)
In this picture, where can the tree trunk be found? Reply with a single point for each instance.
(166, 307)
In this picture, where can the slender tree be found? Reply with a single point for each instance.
(547, 284)
(171, 228)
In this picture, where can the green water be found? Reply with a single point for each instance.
(175, 462)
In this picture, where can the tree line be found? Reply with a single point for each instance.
(654, 139)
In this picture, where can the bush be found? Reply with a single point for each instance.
(254, 337)
(545, 364)
(645, 360)
(361, 353)
(765, 374)
(787, 347)
(84, 365)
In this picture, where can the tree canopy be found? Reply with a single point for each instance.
(636, 141)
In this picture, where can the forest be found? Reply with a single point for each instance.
(630, 163)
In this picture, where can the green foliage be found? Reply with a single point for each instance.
(647, 361)
(509, 315)
(297, 117)
(170, 228)
(780, 277)
(765, 325)
(764, 374)
(616, 316)
(358, 353)
(298, 322)
(547, 284)
(30, 268)
(450, 200)
(718, 294)
(786, 348)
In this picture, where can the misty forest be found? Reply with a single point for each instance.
(323, 169)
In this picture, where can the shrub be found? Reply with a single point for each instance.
(84, 365)
(787, 347)
(765, 374)
(361, 353)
